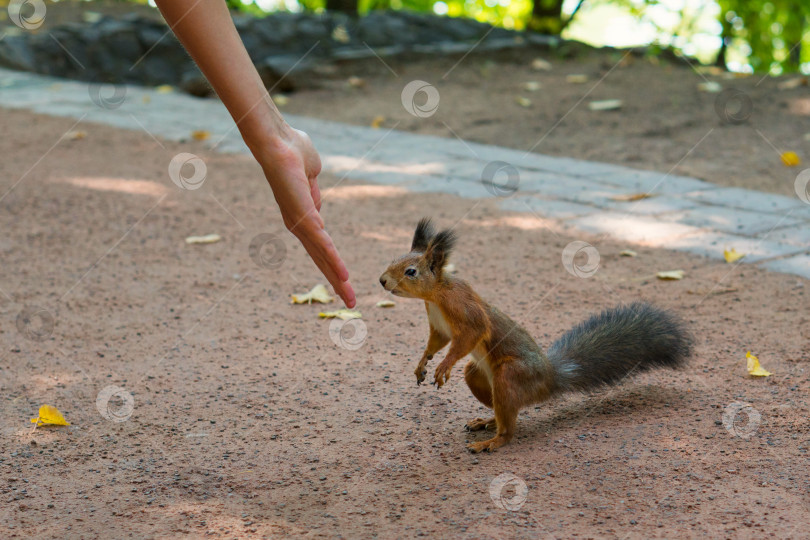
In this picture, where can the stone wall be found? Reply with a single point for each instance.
(135, 49)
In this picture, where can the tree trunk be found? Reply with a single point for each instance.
(725, 38)
(547, 16)
(343, 6)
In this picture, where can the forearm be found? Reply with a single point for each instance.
(206, 30)
(436, 342)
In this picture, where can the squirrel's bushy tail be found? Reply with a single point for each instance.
(616, 343)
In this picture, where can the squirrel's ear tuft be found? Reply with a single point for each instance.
(439, 250)
(423, 235)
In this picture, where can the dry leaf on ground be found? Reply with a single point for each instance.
(605, 105)
(754, 369)
(523, 102)
(50, 415)
(74, 135)
(343, 314)
(670, 274)
(541, 64)
(385, 303)
(377, 122)
(711, 87)
(790, 159)
(628, 253)
(317, 294)
(732, 255)
(631, 197)
(200, 134)
(206, 239)
(576, 78)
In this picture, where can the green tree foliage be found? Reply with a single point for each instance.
(776, 31)
(774, 35)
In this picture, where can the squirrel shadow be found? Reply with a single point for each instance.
(573, 410)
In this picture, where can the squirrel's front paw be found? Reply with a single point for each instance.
(420, 373)
(442, 374)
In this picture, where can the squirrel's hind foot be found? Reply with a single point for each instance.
(479, 424)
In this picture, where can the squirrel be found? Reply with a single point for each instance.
(508, 370)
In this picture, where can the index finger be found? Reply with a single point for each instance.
(325, 255)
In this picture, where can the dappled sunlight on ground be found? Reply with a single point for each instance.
(120, 185)
(363, 192)
(524, 223)
(800, 106)
(348, 163)
(398, 239)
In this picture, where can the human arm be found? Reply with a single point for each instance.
(289, 160)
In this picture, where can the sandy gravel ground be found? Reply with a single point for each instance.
(248, 419)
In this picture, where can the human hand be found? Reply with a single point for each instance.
(291, 165)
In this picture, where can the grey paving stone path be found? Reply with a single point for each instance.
(683, 213)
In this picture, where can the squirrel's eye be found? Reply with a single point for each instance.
(410, 271)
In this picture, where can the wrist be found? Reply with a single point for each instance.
(264, 129)
(268, 143)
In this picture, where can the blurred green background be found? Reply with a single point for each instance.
(765, 36)
(768, 36)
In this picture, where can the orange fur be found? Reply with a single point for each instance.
(508, 370)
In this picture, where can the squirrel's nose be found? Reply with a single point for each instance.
(382, 281)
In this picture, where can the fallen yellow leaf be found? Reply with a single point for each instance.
(628, 253)
(377, 122)
(385, 303)
(670, 274)
(754, 369)
(344, 314)
(207, 239)
(200, 134)
(576, 78)
(74, 135)
(357, 82)
(632, 197)
(605, 105)
(317, 294)
(280, 100)
(50, 415)
(712, 87)
(164, 89)
(790, 159)
(531, 86)
(523, 102)
(732, 255)
(540, 64)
